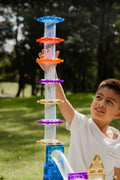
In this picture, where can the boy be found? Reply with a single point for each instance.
(89, 136)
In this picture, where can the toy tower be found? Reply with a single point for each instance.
(96, 168)
(50, 169)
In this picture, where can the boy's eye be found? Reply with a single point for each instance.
(98, 97)
(109, 101)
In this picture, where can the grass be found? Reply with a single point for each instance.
(20, 157)
(11, 88)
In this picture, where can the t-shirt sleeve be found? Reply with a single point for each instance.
(78, 120)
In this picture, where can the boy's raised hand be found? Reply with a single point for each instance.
(44, 53)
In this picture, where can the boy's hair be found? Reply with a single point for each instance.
(113, 84)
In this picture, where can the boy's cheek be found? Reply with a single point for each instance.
(91, 108)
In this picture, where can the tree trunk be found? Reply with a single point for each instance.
(21, 85)
(105, 55)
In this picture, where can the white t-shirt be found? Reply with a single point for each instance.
(87, 140)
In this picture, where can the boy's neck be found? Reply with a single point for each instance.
(108, 132)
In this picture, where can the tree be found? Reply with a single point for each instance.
(90, 49)
(106, 38)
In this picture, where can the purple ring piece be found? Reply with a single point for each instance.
(45, 81)
(50, 121)
(81, 175)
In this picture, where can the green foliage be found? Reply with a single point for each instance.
(20, 156)
(91, 48)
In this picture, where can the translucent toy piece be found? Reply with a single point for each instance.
(50, 129)
(50, 31)
(45, 81)
(50, 18)
(96, 169)
(50, 101)
(50, 40)
(50, 92)
(50, 121)
(77, 176)
(96, 178)
(49, 142)
(51, 171)
(115, 178)
(49, 60)
(62, 163)
(50, 168)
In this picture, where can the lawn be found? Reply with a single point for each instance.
(11, 88)
(21, 158)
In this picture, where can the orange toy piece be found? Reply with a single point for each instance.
(50, 40)
(49, 60)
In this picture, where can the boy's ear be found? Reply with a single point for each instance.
(118, 115)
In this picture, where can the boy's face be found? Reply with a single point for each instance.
(105, 106)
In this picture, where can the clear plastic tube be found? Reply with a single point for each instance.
(62, 163)
(64, 166)
(50, 93)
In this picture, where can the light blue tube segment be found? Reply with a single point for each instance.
(62, 163)
(50, 92)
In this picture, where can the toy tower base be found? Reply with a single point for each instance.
(51, 170)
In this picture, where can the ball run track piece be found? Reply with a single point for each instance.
(45, 81)
(50, 101)
(50, 121)
(50, 18)
(49, 142)
(81, 175)
(49, 60)
(49, 40)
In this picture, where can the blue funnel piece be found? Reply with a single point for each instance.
(52, 19)
(51, 171)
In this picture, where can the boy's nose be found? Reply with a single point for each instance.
(102, 103)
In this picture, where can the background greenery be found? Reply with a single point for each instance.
(91, 47)
(91, 50)
(20, 156)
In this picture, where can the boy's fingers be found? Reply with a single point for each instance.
(44, 53)
(49, 53)
(57, 54)
(39, 55)
(49, 50)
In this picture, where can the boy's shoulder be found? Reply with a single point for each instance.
(115, 133)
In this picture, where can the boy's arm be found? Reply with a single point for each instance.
(66, 108)
(117, 172)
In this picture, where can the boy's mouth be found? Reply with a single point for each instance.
(99, 110)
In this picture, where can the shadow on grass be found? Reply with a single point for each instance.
(2, 178)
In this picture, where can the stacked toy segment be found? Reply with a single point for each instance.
(49, 40)
(56, 165)
(50, 121)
